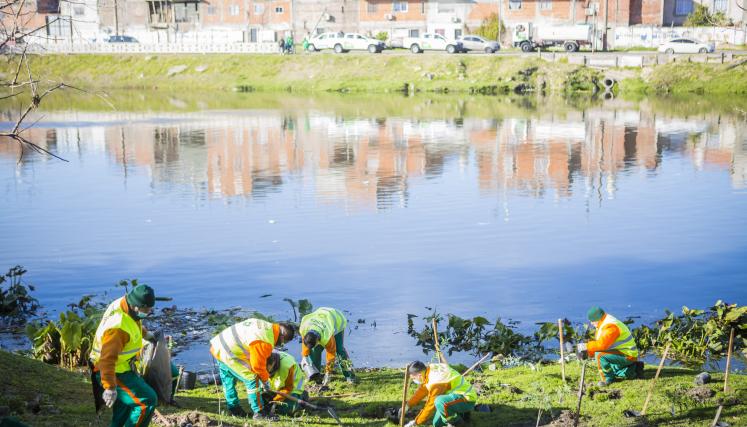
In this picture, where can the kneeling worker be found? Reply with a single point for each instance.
(613, 348)
(285, 377)
(324, 329)
(242, 351)
(450, 396)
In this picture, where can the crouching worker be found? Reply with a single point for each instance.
(242, 351)
(324, 329)
(117, 343)
(613, 348)
(285, 377)
(450, 398)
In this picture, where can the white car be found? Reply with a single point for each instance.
(432, 41)
(325, 41)
(477, 43)
(685, 45)
(355, 41)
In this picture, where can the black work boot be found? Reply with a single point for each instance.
(237, 411)
(639, 369)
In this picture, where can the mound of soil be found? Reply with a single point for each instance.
(189, 419)
(701, 393)
(565, 419)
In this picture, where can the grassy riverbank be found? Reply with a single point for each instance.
(514, 396)
(374, 74)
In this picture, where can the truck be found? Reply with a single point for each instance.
(432, 41)
(529, 36)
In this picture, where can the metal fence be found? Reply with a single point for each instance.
(135, 48)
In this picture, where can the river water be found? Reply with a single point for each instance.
(385, 206)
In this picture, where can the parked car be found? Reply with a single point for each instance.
(471, 42)
(685, 45)
(122, 39)
(325, 41)
(355, 41)
(432, 41)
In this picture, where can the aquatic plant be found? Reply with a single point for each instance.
(16, 302)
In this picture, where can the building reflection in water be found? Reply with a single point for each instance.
(373, 163)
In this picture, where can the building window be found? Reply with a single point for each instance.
(79, 10)
(445, 7)
(185, 12)
(399, 6)
(514, 4)
(259, 9)
(545, 4)
(372, 7)
(212, 10)
(233, 10)
(457, 34)
(58, 26)
(683, 7)
(414, 33)
(278, 10)
(719, 5)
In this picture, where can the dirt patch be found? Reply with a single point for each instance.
(602, 395)
(189, 419)
(700, 394)
(565, 419)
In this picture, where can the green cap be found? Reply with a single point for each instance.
(595, 314)
(141, 296)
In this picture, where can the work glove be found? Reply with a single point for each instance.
(109, 396)
(266, 387)
(327, 379)
(150, 337)
(411, 424)
(581, 351)
(399, 411)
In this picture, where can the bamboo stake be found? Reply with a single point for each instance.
(562, 355)
(441, 357)
(404, 396)
(658, 370)
(580, 395)
(728, 361)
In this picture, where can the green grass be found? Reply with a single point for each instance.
(514, 396)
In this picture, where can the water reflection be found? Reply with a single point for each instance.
(371, 162)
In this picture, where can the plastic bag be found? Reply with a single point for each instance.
(155, 365)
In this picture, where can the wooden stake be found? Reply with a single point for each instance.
(562, 355)
(658, 370)
(404, 396)
(728, 361)
(580, 395)
(718, 415)
(440, 355)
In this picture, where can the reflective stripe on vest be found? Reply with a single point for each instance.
(625, 342)
(232, 344)
(115, 318)
(441, 373)
(281, 375)
(328, 322)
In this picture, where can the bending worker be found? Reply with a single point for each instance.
(613, 347)
(324, 329)
(118, 340)
(285, 377)
(242, 351)
(450, 396)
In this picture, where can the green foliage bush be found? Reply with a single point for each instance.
(382, 35)
(701, 16)
(490, 28)
(16, 303)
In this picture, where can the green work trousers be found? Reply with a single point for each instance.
(135, 403)
(449, 407)
(341, 356)
(613, 365)
(228, 378)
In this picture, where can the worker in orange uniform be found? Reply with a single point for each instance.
(450, 396)
(242, 351)
(613, 348)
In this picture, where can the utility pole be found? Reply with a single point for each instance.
(606, 20)
(116, 18)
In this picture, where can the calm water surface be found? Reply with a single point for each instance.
(513, 212)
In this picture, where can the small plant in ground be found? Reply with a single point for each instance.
(16, 302)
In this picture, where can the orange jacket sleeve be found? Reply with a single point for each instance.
(430, 406)
(259, 351)
(331, 348)
(305, 350)
(288, 386)
(420, 393)
(607, 338)
(112, 344)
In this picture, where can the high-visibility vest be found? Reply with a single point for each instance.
(115, 318)
(281, 375)
(328, 322)
(625, 343)
(441, 373)
(231, 346)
